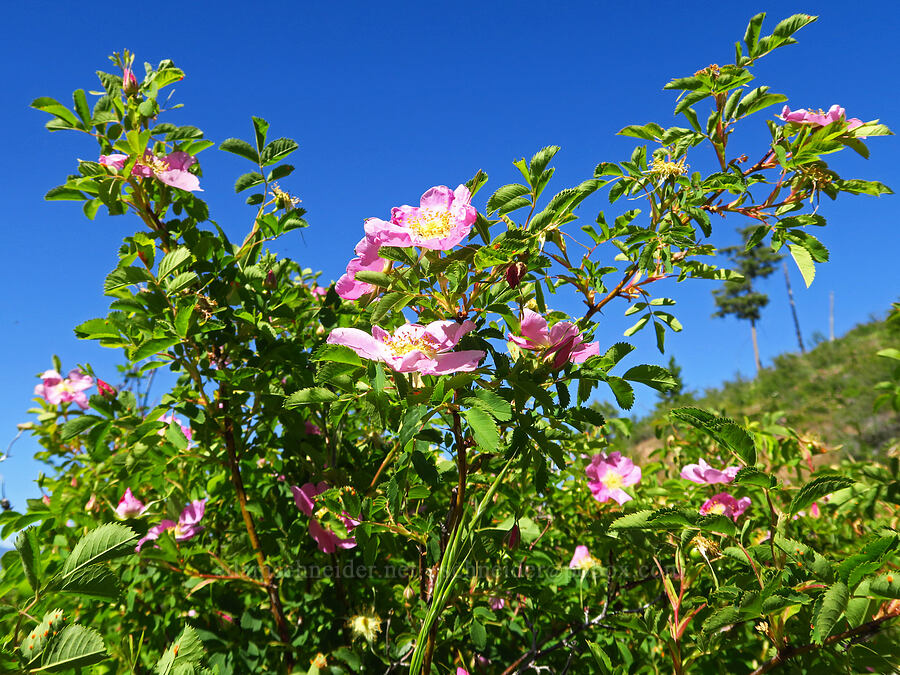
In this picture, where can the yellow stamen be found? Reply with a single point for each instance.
(612, 481)
(401, 345)
(431, 223)
(665, 169)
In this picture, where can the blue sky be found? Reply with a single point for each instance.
(388, 99)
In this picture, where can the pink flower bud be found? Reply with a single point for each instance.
(129, 82)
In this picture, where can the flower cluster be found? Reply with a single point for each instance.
(171, 169)
(55, 389)
(327, 540)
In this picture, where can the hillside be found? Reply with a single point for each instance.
(828, 393)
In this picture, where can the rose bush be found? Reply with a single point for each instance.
(393, 475)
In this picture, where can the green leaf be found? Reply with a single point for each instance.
(505, 194)
(833, 604)
(338, 354)
(30, 553)
(409, 426)
(310, 396)
(248, 180)
(277, 150)
(106, 542)
(540, 160)
(648, 132)
(804, 263)
(478, 634)
(391, 302)
(623, 392)
(498, 407)
(601, 658)
(63, 193)
(751, 35)
(816, 489)
(375, 278)
(173, 260)
(242, 148)
(721, 618)
(75, 647)
(154, 346)
(484, 429)
(886, 585)
(180, 282)
(81, 106)
(750, 475)
(186, 650)
(57, 109)
(95, 581)
(792, 24)
(76, 425)
(636, 520)
(655, 377)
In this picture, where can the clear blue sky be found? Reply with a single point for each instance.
(388, 99)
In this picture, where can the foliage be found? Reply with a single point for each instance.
(327, 483)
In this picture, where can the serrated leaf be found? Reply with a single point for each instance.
(409, 425)
(655, 377)
(750, 475)
(484, 429)
(636, 520)
(601, 658)
(391, 302)
(816, 489)
(498, 407)
(721, 618)
(375, 278)
(76, 425)
(30, 554)
(804, 263)
(623, 392)
(76, 646)
(505, 194)
(478, 634)
(154, 346)
(886, 585)
(833, 604)
(277, 150)
(186, 650)
(94, 581)
(310, 396)
(338, 354)
(106, 542)
(248, 180)
(241, 148)
(173, 260)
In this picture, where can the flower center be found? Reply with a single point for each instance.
(156, 164)
(587, 562)
(66, 387)
(613, 481)
(431, 223)
(718, 508)
(668, 169)
(401, 345)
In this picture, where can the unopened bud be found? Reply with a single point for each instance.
(129, 82)
(515, 272)
(513, 537)
(106, 390)
(271, 282)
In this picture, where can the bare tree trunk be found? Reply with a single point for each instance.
(755, 346)
(787, 282)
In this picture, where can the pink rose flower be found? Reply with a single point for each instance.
(563, 342)
(55, 390)
(819, 118)
(129, 506)
(442, 220)
(704, 473)
(187, 526)
(311, 429)
(608, 474)
(582, 559)
(367, 260)
(171, 169)
(328, 541)
(726, 505)
(413, 348)
(461, 671)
